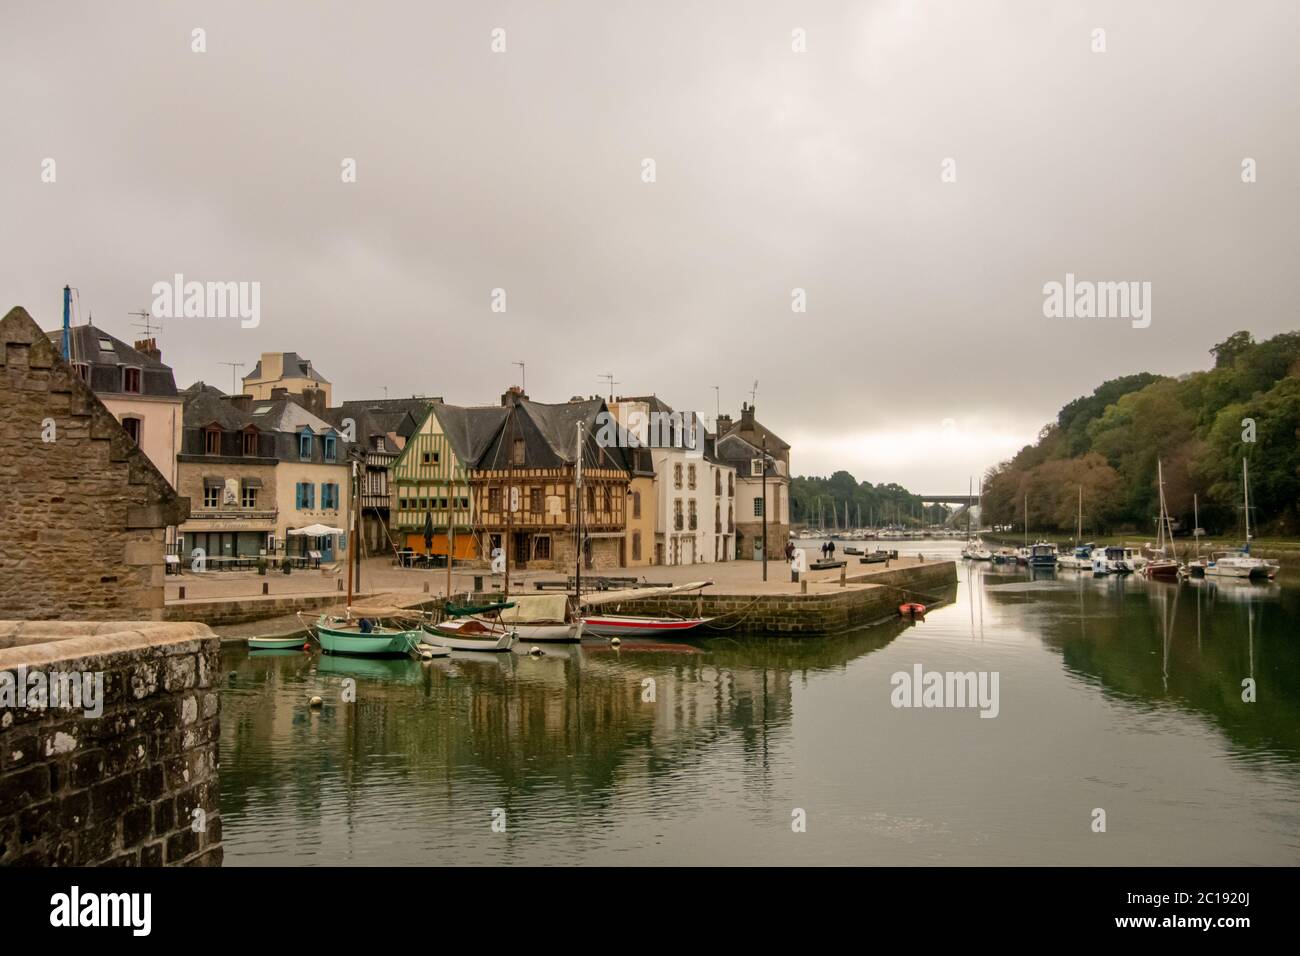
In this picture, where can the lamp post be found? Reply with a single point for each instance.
(764, 449)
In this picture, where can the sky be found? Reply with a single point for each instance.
(919, 170)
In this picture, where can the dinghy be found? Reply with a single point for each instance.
(292, 643)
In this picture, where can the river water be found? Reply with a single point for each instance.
(1119, 703)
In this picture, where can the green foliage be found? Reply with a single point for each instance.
(814, 498)
(1110, 442)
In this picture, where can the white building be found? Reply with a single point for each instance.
(694, 491)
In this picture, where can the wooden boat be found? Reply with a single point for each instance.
(911, 609)
(292, 643)
(355, 635)
(542, 618)
(469, 634)
(622, 625)
(874, 557)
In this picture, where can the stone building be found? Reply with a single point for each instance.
(83, 511)
(741, 445)
(287, 370)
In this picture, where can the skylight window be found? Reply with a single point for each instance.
(261, 409)
(105, 345)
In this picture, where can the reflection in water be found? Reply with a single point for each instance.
(1115, 692)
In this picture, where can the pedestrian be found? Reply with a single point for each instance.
(831, 545)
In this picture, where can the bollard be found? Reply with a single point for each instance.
(478, 583)
(426, 587)
(842, 570)
(339, 582)
(803, 587)
(182, 592)
(266, 588)
(794, 577)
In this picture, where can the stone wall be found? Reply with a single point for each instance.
(83, 511)
(818, 612)
(121, 788)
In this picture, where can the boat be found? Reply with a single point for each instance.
(1080, 559)
(602, 624)
(1042, 554)
(1004, 556)
(291, 643)
(878, 556)
(911, 609)
(468, 634)
(543, 618)
(1241, 564)
(1110, 560)
(357, 634)
(1160, 563)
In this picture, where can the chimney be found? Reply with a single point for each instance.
(723, 425)
(314, 401)
(150, 348)
(746, 416)
(513, 396)
(272, 366)
(279, 392)
(241, 403)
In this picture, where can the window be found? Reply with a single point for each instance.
(758, 507)
(330, 444)
(535, 500)
(717, 519)
(304, 444)
(542, 547)
(250, 443)
(636, 504)
(755, 467)
(429, 458)
(717, 483)
(306, 495)
(329, 496)
(591, 499)
(132, 426)
(212, 441)
(518, 458)
(249, 498)
(677, 476)
(636, 545)
(677, 514)
(731, 484)
(690, 477)
(494, 499)
(211, 496)
(731, 520)
(131, 380)
(83, 369)
(693, 517)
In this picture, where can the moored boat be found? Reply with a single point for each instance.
(468, 634)
(357, 634)
(291, 643)
(622, 625)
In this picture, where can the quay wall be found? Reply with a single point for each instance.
(135, 785)
(241, 610)
(818, 612)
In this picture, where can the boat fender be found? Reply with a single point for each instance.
(316, 702)
(534, 651)
(614, 641)
(306, 645)
(426, 655)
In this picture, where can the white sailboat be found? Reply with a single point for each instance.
(1241, 564)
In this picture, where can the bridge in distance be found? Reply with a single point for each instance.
(966, 500)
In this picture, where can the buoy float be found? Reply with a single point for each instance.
(614, 641)
(534, 651)
(306, 645)
(911, 610)
(316, 702)
(426, 655)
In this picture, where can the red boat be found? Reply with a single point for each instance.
(911, 610)
(620, 625)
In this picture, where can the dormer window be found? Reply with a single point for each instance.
(131, 380)
(212, 441)
(250, 443)
(304, 444)
(755, 467)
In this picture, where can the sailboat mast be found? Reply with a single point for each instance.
(1078, 531)
(577, 525)
(1245, 490)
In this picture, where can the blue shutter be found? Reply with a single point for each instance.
(298, 495)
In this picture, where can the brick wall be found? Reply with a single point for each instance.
(121, 788)
(83, 511)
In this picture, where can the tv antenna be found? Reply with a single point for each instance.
(523, 380)
(753, 394)
(609, 379)
(145, 325)
(234, 389)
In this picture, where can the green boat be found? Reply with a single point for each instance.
(465, 610)
(337, 636)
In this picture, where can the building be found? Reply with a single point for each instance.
(134, 385)
(256, 470)
(741, 445)
(85, 514)
(382, 428)
(431, 479)
(693, 489)
(287, 370)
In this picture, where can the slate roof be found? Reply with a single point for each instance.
(735, 451)
(87, 345)
(483, 436)
(295, 366)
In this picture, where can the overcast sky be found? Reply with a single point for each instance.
(775, 170)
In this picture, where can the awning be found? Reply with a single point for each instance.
(214, 482)
(252, 482)
(316, 530)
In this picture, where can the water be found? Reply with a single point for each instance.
(1115, 693)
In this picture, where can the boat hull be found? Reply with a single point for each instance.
(455, 636)
(382, 642)
(276, 643)
(614, 625)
